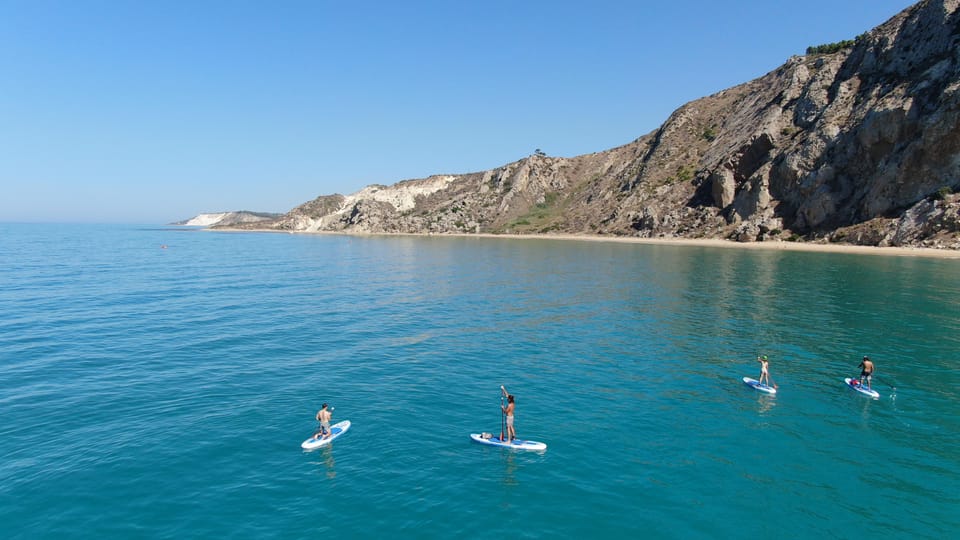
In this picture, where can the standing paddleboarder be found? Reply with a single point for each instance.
(508, 411)
(764, 370)
(866, 371)
(323, 416)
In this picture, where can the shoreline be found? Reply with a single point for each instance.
(932, 253)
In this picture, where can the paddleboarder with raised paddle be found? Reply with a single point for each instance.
(765, 371)
(508, 412)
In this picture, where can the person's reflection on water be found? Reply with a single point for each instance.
(328, 461)
(765, 403)
(509, 468)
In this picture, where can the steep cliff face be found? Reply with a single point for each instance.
(860, 145)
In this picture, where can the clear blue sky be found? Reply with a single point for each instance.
(150, 112)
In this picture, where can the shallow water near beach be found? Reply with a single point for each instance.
(158, 382)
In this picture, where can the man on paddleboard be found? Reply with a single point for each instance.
(323, 416)
(508, 410)
(866, 371)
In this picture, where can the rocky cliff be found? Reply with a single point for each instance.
(228, 219)
(860, 145)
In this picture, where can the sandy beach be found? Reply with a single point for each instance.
(769, 246)
(697, 242)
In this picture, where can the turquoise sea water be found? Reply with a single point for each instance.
(151, 392)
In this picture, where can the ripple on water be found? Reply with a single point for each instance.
(165, 393)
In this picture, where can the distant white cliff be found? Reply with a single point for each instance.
(227, 218)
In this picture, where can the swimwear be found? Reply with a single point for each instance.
(510, 420)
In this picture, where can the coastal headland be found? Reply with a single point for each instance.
(853, 143)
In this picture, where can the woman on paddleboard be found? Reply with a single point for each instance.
(764, 367)
(508, 410)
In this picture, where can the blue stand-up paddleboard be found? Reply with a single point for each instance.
(516, 444)
(757, 385)
(855, 384)
(336, 430)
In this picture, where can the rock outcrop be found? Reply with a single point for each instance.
(228, 219)
(860, 145)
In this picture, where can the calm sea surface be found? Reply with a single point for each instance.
(151, 392)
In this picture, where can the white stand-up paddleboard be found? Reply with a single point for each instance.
(516, 444)
(757, 385)
(336, 430)
(855, 384)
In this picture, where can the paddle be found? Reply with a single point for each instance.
(893, 389)
(884, 382)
